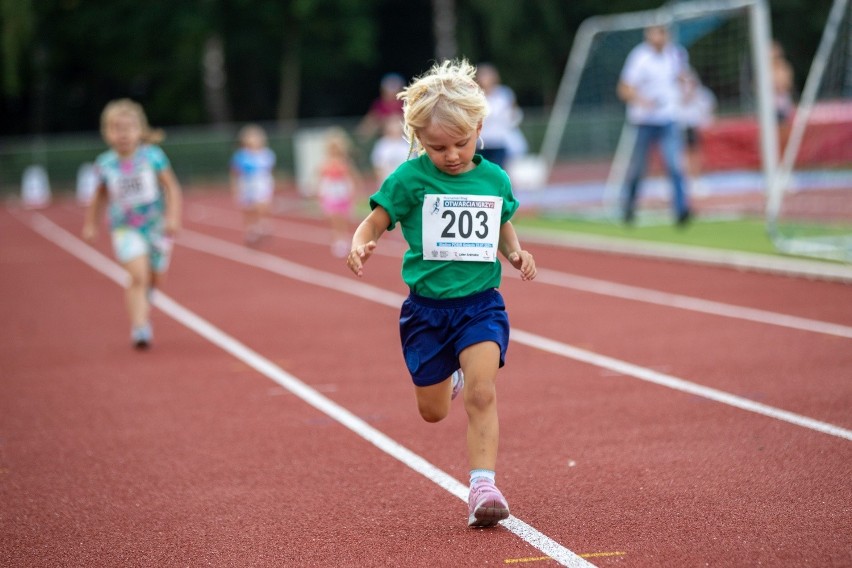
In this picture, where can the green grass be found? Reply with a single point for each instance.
(748, 235)
(743, 234)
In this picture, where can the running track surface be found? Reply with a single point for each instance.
(273, 422)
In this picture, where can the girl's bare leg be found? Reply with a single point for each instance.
(263, 210)
(480, 363)
(433, 401)
(136, 294)
(248, 225)
(340, 235)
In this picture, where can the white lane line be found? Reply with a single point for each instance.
(278, 265)
(310, 234)
(96, 260)
(218, 217)
(675, 383)
(647, 295)
(349, 285)
(290, 230)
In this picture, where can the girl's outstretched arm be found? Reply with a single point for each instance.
(94, 212)
(365, 239)
(510, 247)
(172, 193)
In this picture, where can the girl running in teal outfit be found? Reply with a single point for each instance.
(454, 209)
(144, 197)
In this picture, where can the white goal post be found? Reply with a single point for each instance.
(829, 80)
(756, 12)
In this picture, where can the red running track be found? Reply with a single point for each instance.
(189, 456)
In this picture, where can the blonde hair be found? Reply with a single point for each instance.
(337, 142)
(447, 94)
(130, 107)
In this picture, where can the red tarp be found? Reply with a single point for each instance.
(732, 143)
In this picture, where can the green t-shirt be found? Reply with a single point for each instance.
(402, 195)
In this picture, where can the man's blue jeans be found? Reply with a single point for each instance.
(670, 140)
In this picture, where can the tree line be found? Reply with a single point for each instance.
(220, 61)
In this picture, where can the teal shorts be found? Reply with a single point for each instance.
(129, 244)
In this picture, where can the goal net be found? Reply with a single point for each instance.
(587, 143)
(810, 204)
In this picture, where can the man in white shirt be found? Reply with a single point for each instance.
(649, 84)
(501, 136)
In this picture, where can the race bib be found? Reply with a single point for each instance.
(134, 188)
(461, 227)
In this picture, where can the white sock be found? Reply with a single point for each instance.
(481, 474)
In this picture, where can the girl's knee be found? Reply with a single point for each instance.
(157, 279)
(432, 414)
(433, 402)
(139, 280)
(479, 397)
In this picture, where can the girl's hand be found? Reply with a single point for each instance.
(172, 225)
(523, 261)
(358, 256)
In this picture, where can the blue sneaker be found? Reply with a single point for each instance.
(458, 383)
(141, 336)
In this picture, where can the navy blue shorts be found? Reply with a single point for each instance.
(434, 332)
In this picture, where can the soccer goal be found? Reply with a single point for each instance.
(810, 202)
(587, 143)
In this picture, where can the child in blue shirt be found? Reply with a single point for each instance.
(252, 182)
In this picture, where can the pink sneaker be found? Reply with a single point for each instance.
(486, 504)
(458, 383)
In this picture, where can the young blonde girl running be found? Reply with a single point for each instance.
(454, 209)
(338, 181)
(144, 198)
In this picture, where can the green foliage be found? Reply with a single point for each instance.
(16, 26)
(62, 60)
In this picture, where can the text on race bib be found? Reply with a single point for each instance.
(461, 227)
(134, 188)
